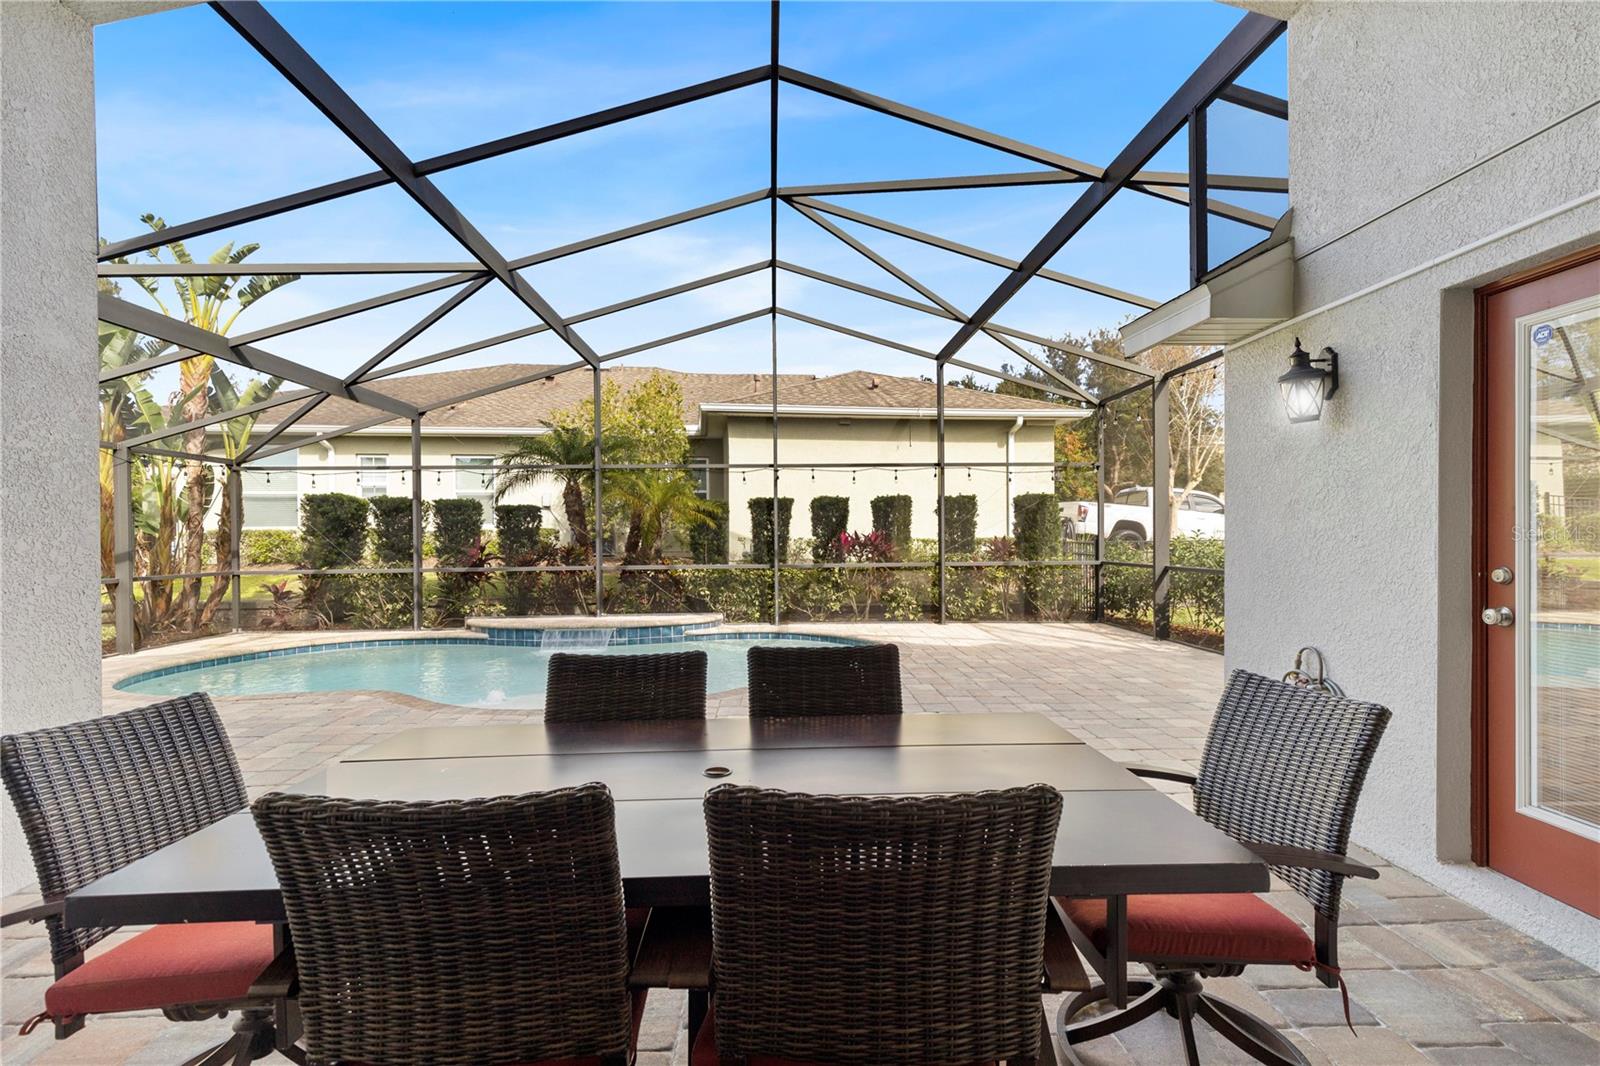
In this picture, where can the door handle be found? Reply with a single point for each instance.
(1498, 616)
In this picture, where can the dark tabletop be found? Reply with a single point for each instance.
(1117, 836)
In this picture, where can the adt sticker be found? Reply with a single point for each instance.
(1542, 334)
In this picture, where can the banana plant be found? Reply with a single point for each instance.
(213, 303)
(234, 435)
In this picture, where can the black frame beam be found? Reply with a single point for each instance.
(276, 46)
(378, 178)
(143, 320)
(1228, 60)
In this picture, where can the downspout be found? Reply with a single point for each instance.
(1011, 440)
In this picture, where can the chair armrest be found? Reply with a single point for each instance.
(278, 980)
(1160, 773)
(674, 950)
(36, 913)
(1063, 969)
(1311, 859)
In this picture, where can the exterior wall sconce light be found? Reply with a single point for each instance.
(1305, 385)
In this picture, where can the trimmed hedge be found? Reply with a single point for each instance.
(457, 524)
(761, 527)
(708, 542)
(333, 535)
(391, 530)
(1038, 536)
(891, 516)
(518, 526)
(830, 519)
(1038, 525)
(961, 523)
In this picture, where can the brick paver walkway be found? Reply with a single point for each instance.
(1432, 980)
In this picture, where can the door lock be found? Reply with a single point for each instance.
(1501, 575)
(1498, 616)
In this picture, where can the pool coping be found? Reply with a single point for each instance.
(257, 644)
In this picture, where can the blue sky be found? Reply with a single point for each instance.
(191, 121)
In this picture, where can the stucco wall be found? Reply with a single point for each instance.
(1354, 533)
(49, 538)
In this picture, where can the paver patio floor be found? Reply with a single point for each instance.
(1431, 979)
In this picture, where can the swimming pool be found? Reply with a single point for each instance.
(466, 673)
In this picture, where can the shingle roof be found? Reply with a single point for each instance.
(527, 405)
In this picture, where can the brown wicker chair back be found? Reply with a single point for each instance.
(853, 929)
(796, 678)
(94, 796)
(1285, 765)
(625, 688)
(455, 933)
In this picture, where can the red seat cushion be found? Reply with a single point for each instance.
(167, 966)
(704, 1052)
(1232, 926)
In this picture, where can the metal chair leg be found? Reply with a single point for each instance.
(1249, 1033)
(1184, 1004)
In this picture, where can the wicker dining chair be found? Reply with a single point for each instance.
(456, 933)
(855, 930)
(797, 678)
(625, 688)
(94, 796)
(1281, 772)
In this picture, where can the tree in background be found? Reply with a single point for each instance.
(641, 425)
(212, 303)
(1194, 416)
(564, 452)
(1195, 409)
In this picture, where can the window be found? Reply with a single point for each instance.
(1205, 503)
(700, 474)
(1133, 497)
(373, 482)
(271, 490)
(475, 481)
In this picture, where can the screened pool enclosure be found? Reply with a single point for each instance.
(1015, 476)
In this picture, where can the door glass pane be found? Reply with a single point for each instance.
(1561, 640)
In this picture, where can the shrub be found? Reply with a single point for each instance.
(761, 527)
(891, 516)
(960, 523)
(1585, 530)
(457, 525)
(458, 531)
(1125, 592)
(1038, 525)
(391, 530)
(333, 534)
(518, 526)
(1038, 536)
(383, 601)
(708, 541)
(269, 547)
(740, 595)
(830, 518)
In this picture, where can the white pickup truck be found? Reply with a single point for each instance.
(1128, 515)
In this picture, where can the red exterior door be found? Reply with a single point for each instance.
(1539, 582)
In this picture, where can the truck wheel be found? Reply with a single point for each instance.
(1128, 534)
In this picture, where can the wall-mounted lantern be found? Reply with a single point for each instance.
(1306, 384)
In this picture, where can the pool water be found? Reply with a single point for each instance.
(465, 673)
(1567, 657)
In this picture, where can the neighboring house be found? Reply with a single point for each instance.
(867, 434)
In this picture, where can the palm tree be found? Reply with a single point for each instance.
(565, 453)
(213, 303)
(658, 499)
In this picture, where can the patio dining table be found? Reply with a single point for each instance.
(1118, 836)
